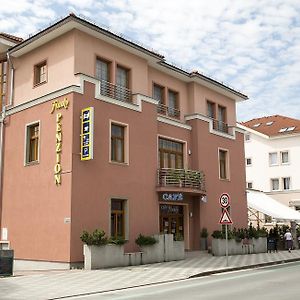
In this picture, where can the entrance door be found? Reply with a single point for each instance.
(171, 220)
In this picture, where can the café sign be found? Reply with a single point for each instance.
(172, 196)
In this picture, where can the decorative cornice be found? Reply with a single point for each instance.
(173, 122)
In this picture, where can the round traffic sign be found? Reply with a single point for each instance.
(224, 200)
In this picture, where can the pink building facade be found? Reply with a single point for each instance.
(99, 132)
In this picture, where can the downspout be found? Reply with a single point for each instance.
(11, 90)
(2, 118)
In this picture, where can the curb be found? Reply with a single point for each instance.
(271, 263)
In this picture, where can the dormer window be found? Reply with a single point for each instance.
(269, 123)
(256, 125)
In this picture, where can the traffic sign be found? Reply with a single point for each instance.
(225, 218)
(224, 200)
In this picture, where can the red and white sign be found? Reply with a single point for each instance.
(225, 218)
(224, 200)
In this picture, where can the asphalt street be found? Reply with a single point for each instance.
(269, 283)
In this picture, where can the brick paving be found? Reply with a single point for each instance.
(61, 284)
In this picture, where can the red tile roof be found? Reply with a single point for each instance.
(274, 125)
(11, 37)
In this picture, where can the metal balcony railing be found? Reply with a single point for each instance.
(220, 126)
(115, 91)
(168, 111)
(181, 178)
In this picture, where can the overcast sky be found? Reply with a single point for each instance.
(252, 45)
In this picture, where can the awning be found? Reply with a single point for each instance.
(267, 205)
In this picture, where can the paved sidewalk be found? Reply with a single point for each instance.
(61, 284)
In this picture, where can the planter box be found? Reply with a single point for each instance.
(96, 257)
(166, 249)
(234, 248)
(203, 244)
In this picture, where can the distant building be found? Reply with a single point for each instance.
(272, 148)
(99, 132)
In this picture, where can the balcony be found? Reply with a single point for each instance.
(168, 111)
(183, 180)
(220, 126)
(116, 92)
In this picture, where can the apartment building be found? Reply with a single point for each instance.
(272, 147)
(99, 132)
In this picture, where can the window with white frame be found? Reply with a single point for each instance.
(247, 137)
(273, 159)
(248, 161)
(249, 185)
(286, 183)
(284, 155)
(274, 184)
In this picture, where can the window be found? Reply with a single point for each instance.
(248, 161)
(249, 185)
(222, 126)
(247, 137)
(211, 109)
(223, 164)
(173, 104)
(32, 143)
(273, 159)
(268, 219)
(40, 73)
(284, 157)
(170, 154)
(117, 143)
(3, 82)
(158, 93)
(122, 82)
(286, 182)
(275, 184)
(103, 74)
(117, 218)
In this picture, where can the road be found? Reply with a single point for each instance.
(277, 282)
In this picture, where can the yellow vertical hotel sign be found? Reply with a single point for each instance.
(87, 133)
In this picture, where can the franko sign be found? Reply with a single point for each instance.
(57, 105)
(57, 167)
(172, 197)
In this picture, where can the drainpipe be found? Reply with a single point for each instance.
(11, 90)
(2, 118)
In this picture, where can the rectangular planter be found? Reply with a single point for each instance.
(235, 248)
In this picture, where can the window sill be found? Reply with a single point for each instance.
(39, 84)
(124, 164)
(32, 163)
(224, 179)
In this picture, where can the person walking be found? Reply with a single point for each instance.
(289, 240)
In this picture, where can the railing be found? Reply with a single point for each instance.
(115, 91)
(181, 178)
(168, 111)
(220, 126)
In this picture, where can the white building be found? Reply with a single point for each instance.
(272, 158)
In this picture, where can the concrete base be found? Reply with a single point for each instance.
(35, 265)
(166, 249)
(234, 248)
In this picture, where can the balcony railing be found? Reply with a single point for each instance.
(115, 91)
(181, 178)
(220, 126)
(168, 111)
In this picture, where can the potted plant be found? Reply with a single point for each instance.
(101, 252)
(203, 239)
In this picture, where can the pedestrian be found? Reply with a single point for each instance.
(289, 240)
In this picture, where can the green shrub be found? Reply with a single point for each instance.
(204, 233)
(217, 234)
(143, 240)
(119, 240)
(96, 238)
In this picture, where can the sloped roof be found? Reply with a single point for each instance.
(275, 125)
(11, 37)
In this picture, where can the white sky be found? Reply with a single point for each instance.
(252, 45)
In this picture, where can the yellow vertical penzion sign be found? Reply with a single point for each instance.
(87, 133)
